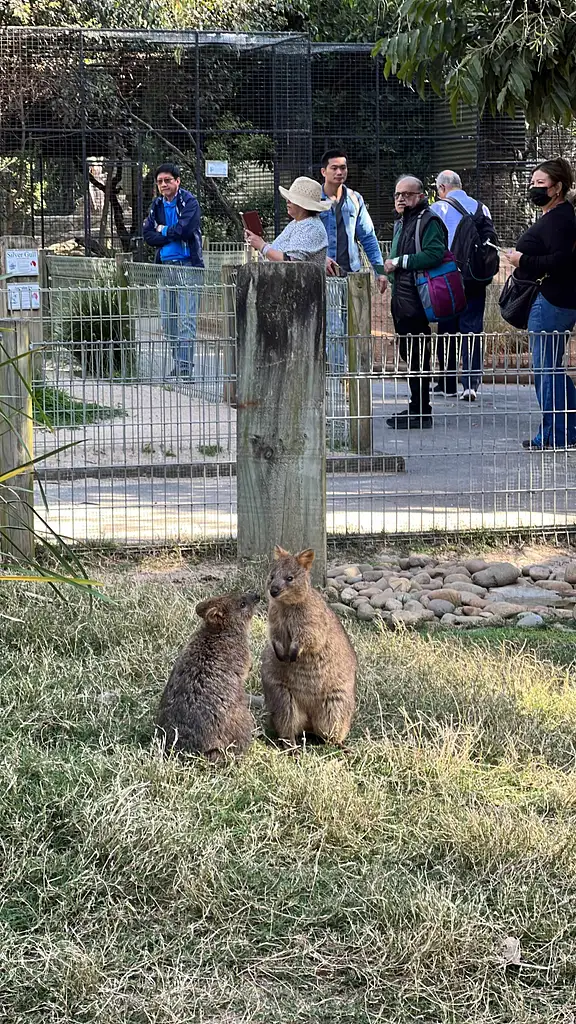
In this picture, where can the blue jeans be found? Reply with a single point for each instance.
(178, 307)
(470, 325)
(549, 328)
(336, 323)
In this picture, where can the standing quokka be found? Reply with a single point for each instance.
(309, 665)
(204, 707)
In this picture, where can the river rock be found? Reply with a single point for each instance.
(418, 561)
(331, 594)
(456, 577)
(472, 601)
(530, 620)
(445, 594)
(469, 588)
(401, 586)
(343, 610)
(559, 586)
(423, 578)
(393, 605)
(348, 595)
(366, 613)
(440, 607)
(523, 594)
(504, 609)
(379, 600)
(373, 575)
(570, 573)
(475, 564)
(498, 574)
(536, 572)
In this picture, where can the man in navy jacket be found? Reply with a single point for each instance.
(172, 227)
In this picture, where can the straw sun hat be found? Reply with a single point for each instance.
(307, 193)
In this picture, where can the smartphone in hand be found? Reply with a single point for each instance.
(251, 221)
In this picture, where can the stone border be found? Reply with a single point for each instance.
(422, 591)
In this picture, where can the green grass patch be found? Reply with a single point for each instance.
(64, 411)
(209, 450)
(373, 887)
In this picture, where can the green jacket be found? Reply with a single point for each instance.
(433, 244)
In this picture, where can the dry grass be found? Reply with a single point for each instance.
(375, 887)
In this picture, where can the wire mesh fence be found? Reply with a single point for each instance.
(84, 121)
(151, 420)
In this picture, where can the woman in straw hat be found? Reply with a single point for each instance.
(304, 238)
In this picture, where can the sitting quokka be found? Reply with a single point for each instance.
(204, 707)
(308, 665)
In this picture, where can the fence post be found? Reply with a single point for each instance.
(281, 423)
(229, 277)
(16, 440)
(360, 361)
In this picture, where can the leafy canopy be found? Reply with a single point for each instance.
(498, 57)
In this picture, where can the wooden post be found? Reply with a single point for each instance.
(281, 474)
(229, 275)
(16, 440)
(360, 362)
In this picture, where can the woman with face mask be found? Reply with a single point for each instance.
(547, 253)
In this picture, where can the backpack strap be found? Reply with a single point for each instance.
(418, 230)
(355, 201)
(421, 227)
(458, 206)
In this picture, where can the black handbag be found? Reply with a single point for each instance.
(516, 300)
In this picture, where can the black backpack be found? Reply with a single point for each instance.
(478, 262)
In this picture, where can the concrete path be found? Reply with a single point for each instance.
(468, 472)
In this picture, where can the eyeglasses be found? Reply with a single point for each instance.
(403, 195)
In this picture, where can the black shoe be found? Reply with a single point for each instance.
(535, 446)
(410, 421)
(441, 390)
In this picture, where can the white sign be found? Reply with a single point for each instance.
(23, 296)
(216, 168)
(22, 262)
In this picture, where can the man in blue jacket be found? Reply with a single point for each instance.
(173, 229)
(347, 223)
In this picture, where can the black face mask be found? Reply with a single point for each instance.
(538, 195)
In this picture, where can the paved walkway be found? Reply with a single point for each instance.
(468, 472)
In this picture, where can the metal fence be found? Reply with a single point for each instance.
(156, 458)
(84, 121)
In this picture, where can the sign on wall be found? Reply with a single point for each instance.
(23, 296)
(22, 262)
(216, 168)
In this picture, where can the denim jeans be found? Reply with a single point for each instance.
(336, 324)
(470, 325)
(549, 328)
(178, 308)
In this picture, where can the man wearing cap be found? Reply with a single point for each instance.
(304, 238)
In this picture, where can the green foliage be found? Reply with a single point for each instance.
(64, 411)
(96, 321)
(500, 58)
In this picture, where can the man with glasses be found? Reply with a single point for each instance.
(173, 229)
(410, 321)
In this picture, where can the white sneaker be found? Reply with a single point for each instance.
(469, 395)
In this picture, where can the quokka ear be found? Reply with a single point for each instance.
(210, 611)
(203, 607)
(280, 552)
(305, 558)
